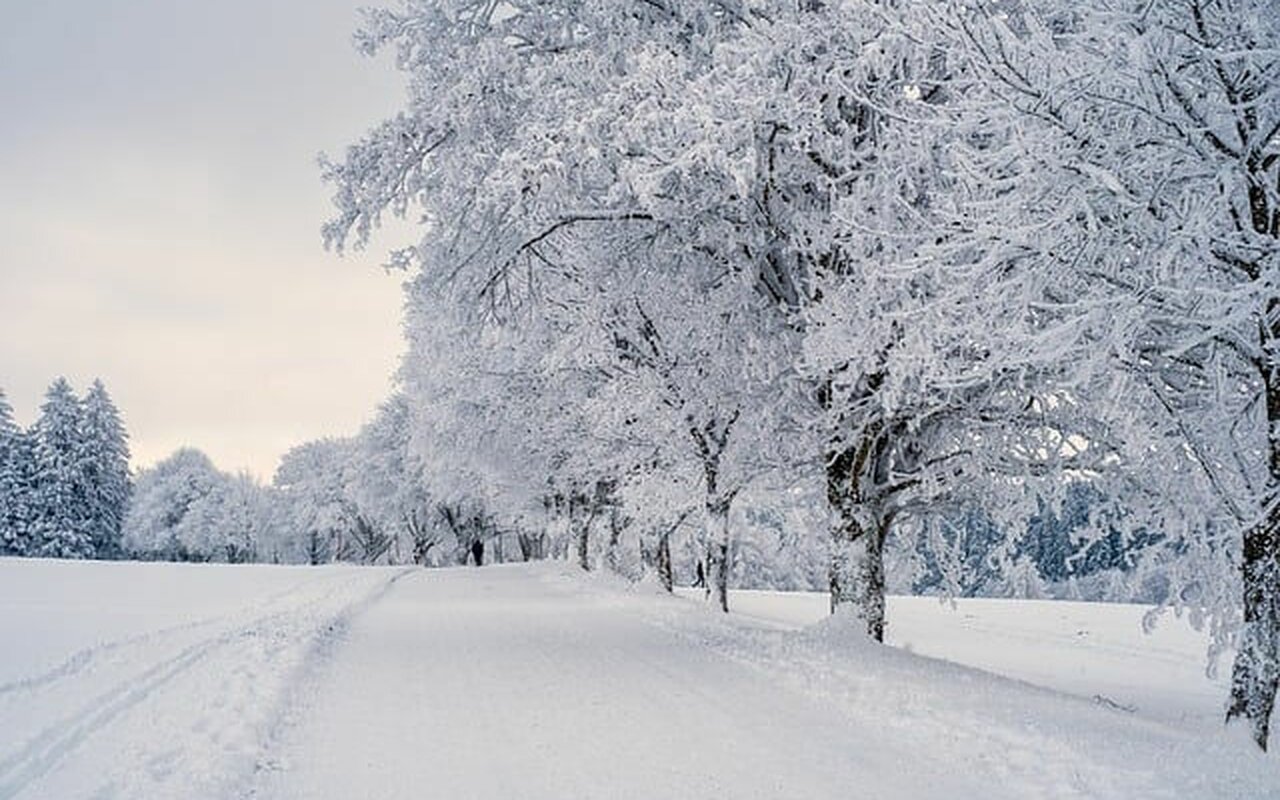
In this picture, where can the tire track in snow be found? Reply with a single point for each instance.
(55, 743)
(78, 661)
(290, 615)
(286, 714)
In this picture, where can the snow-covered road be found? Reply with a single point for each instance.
(490, 684)
(535, 682)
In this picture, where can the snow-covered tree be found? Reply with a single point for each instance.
(163, 496)
(64, 485)
(60, 524)
(312, 484)
(554, 196)
(484, 429)
(106, 457)
(387, 485)
(186, 509)
(230, 523)
(693, 385)
(15, 482)
(779, 540)
(1157, 128)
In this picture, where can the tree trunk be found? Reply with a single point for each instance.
(422, 551)
(616, 527)
(717, 534)
(857, 546)
(582, 536)
(315, 550)
(666, 576)
(1255, 675)
(857, 571)
(560, 550)
(421, 537)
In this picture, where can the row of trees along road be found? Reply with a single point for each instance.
(929, 255)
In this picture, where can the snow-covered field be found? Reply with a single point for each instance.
(155, 680)
(184, 681)
(1094, 650)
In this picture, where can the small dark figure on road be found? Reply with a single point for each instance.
(477, 552)
(700, 579)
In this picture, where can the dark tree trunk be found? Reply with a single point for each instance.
(423, 541)
(857, 571)
(373, 543)
(712, 439)
(717, 533)
(666, 576)
(582, 541)
(529, 546)
(342, 549)
(858, 529)
(616, 526)
(422, 551)
(1255, 675)
(315, 549)
(582, 511)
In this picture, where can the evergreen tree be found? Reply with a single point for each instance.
(15, 468)
(105, 452)
(60, 526)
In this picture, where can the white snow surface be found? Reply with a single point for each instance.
(123, 680)
(1094, 650)
(185, 681)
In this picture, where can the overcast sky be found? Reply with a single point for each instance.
(159, 220)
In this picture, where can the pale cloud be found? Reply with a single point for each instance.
(159, 216)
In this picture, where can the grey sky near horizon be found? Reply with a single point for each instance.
(160, 208)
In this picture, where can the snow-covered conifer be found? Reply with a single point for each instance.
(60, 524)
(106, 457)
(15, 482)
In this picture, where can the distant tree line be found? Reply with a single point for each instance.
(64, 482)
(361, 499)
(66, 492)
